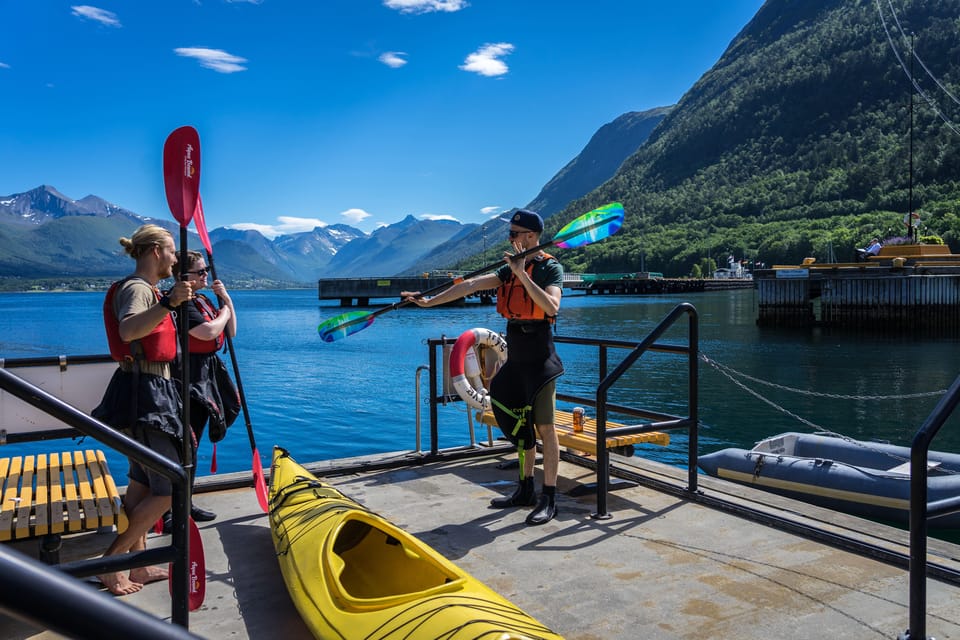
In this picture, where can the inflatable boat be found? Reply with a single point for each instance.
(868, 479)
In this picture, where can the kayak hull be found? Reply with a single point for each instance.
(353, 574)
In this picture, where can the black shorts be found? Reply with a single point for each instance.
(157, 442)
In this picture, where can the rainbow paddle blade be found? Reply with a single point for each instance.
(591, 227)
(344, 325)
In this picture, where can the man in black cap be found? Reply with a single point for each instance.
(523, 392)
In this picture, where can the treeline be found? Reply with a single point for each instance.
(797, 143)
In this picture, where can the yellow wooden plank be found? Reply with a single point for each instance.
(25, 506)
(90, 519)
(72, 504)
(100, 495)
(10, 472)
(121, 515)
(42, 499)
(586, 440)
(57, 504)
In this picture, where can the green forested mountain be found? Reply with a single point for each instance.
(797, 142)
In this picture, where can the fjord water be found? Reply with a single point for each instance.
(357, 395)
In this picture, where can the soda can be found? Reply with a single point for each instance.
(577, 419)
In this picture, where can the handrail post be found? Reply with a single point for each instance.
(693, 398)
(434, 419)
(918, 510)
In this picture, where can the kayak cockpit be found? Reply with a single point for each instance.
(372, 567)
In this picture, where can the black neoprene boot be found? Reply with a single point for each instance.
(546, 507)
(524, 496)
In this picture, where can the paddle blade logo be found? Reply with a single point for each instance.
(344, 325)
(591, 227)
(181, 173)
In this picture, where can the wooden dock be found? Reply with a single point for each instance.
(913, 287)
(653, 286)
(363, 290)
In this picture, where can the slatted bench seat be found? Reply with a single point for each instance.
(586, 440)
(48, 495)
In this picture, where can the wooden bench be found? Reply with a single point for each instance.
(586, 440)
(48, 495)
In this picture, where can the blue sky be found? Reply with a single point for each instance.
(314, 112)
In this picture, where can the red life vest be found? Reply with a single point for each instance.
(513, 301)
(208, 312)
(160, 345)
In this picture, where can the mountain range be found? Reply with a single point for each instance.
(44, 234)
(811, 134)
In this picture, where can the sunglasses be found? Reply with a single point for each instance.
(514, 234)
(201, 272)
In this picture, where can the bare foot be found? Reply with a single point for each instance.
(119, 584)
(146, 575)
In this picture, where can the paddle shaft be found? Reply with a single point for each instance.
(489, 267)
(236, 367)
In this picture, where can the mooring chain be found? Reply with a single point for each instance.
(730, 371)
(723, 370)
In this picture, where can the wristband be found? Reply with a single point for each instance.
(165, 303)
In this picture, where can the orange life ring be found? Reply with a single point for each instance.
(907, 217)
(465, 368)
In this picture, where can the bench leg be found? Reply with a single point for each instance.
(50, 548)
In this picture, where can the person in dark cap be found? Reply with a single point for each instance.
(523, 392)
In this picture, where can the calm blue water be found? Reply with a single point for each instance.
(356, 396)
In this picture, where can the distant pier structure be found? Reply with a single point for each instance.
(362, 290)
(904, 287)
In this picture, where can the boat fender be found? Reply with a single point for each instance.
(465, 368)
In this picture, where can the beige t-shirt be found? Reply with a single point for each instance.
(132, 297)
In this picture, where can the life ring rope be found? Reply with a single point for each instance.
(465, 373)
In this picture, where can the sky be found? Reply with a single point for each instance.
(320, 112)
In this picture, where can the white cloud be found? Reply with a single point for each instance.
(102, 16)
(355, 216)
(245, 1)
(486, 60)
(288, 224)
(425, 6)
(491, 211)
(393, 59)
(4, 65)
(216, 59)
(436, 216)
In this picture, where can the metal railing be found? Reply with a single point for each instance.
(655, 421)
(921, 510)
(176, 552)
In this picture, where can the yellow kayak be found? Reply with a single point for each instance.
(352, 574)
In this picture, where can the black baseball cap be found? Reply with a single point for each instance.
(525, 218)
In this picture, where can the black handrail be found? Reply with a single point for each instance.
(177, 551)
(655, 421)
(37, 593)
(689, 423)
(920, 511)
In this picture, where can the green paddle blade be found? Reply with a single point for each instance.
(591, 227)
(344, 325)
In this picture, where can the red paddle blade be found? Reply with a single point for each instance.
(181, 173)
(158, 526)
(196, 569)
(201, 224)
(259, 482)
(213, 460)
